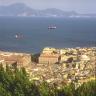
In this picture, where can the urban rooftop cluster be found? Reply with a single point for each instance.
(60, 66)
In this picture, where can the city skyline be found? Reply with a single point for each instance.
(80, 6)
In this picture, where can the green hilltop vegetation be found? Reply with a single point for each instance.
(15, 82)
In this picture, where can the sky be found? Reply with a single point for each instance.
(80, 6)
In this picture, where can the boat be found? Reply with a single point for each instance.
(52, 27)
(18, 36)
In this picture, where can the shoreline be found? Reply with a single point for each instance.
(25, 52)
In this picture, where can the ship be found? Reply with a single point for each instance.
(18, 36)
(52, 27)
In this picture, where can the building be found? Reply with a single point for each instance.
(85, 58)
(49, 56)
(49, 50)
(10, 58)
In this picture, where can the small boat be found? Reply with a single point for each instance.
(18, 36)
(52, 27)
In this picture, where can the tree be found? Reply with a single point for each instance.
(87, 89)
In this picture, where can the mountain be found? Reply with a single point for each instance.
(15, 10)
(20, 9)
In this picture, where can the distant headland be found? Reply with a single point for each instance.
(20, 9)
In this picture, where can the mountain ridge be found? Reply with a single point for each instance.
(20, 9)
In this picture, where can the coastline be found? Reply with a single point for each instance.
(25, 52)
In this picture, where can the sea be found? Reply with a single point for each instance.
(34, 34)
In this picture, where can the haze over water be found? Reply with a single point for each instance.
(70, 32)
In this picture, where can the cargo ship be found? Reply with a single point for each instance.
(52, 27)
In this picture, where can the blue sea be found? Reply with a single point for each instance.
(70, 32)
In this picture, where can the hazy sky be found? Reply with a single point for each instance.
(81, 6)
